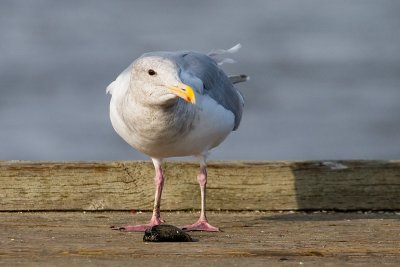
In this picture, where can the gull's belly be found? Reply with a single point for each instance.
(211, 124)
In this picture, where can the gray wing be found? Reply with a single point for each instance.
(216, 84)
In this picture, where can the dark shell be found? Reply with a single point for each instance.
(166, 233)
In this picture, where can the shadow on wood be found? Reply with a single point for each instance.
(347, 185)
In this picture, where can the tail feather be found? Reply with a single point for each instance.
(216, 54)
(239, 78)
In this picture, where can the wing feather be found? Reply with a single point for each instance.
(216, 83)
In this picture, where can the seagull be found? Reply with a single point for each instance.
(175, 104)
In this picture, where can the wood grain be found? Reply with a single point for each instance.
(125, 185)
(249, 239)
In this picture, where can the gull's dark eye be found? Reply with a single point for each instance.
(151, 72)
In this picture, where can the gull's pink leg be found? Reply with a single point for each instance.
(155, 218)
(202, 224)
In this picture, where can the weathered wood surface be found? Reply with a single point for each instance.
(249, 239)
(123, 185)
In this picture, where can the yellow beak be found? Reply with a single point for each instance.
(184, 91)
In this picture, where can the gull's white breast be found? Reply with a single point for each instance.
(210, 126)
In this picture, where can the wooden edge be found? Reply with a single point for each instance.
(232, 185)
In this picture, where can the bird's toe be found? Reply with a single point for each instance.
(201, 225)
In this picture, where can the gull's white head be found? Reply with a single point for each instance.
(156, 80)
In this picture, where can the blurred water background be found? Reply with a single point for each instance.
(325, 75)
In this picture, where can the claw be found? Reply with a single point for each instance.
(117, 228)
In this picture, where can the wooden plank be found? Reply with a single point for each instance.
(124, 185)
(249, 239)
